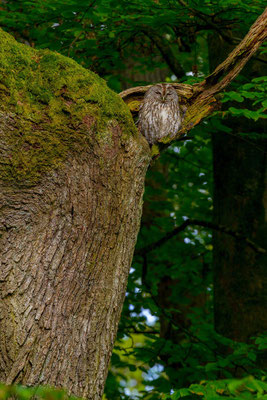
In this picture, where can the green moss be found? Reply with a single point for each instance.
(166, 139)
(154, 150)
(59, 107)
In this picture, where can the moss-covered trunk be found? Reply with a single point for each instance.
(71, 182)
(240, 203)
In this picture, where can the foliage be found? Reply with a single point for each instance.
(184, 263)
(167, 347)
(26, 393)
(122, 40)
(247, 389)
(253, 93)
(240, 389)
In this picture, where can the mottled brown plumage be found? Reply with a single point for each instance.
(160, 114)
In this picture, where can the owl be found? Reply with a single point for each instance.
(160, 114)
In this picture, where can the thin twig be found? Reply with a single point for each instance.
(205, 224)
(74, 41)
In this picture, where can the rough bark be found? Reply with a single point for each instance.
(71, 183)
(240, 202)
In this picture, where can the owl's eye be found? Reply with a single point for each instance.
(157, 92)
(168, 94)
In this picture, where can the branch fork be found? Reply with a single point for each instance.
(200, 99)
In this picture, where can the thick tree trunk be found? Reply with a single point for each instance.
(240, 204)
(71, 183)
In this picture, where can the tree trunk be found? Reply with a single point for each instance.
(240, 203)
(71, 183)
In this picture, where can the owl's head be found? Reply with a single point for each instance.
(162, 92)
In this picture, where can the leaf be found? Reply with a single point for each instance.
(183, 393)
(236, 111)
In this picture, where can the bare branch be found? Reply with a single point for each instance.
(210, 225)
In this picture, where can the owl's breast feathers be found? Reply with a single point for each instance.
(166, 119)
(159, 119)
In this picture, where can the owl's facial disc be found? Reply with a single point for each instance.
(165, 96)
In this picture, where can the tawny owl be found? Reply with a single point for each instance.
(160, 113)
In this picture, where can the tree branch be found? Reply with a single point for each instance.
(238, 57)
(210, 225)
(134, 96)
(199, 99)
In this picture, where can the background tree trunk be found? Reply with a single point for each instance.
(239, 203)
(72, 177)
